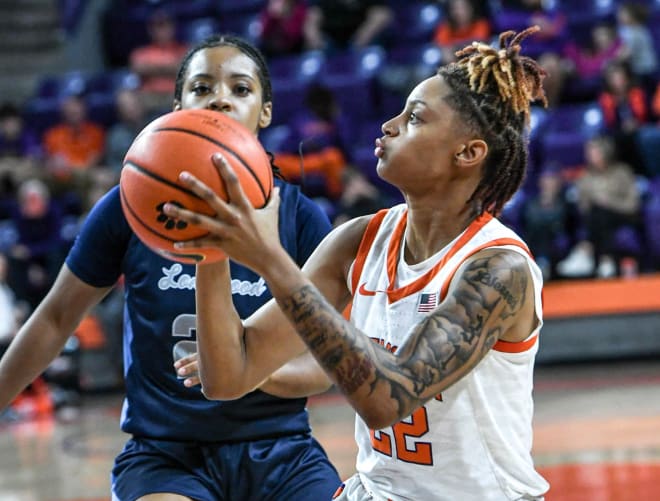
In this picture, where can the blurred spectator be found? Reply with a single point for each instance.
(546, 45)
(132, 118)
(74, 145)
(544, 221)
(461, 25)
(282, 27)
(16, 140)
(157, 62)
(551, 21)
(585, 64)
(20, 152)
(340, 24)
(608, 199)
(625, 109)
(638, 48)
(358, 198)
(315, 136)
(38, 252)
(656, 103)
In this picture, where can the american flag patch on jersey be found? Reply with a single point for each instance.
(427, 301)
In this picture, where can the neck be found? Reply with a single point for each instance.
(430, 230)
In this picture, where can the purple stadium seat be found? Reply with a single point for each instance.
(365, 161)
(351, 75)
(41, 113)
(110, 81)
(273, 137)
(512, 212)
(303, 67)
(195, 30)
(71, 82)
(191, 9)
(364, 62)
(628, 241)
(652, 218)
(414, 23)
(404, 67)
(226, 8)
(648, 143)
(245, 25)
(356, 95)
(567, 129)
(504, 20)
(582, 15)
(101, 108)
(288, 97)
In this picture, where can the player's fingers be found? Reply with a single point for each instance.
(274, 199)
(191, 381)
(233, 186)
(209, 223)
(203, 191)
(186, 361)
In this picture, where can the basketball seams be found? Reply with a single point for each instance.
(186, 140)
(227, 148)
(143, 170)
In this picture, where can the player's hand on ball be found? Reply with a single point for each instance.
(187, 367)
(244, 233)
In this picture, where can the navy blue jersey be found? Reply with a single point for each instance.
(160, 311)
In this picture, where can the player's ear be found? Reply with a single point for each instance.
(266, 115)
(177, 105)
(471, 153)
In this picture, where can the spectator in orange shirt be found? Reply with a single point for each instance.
(462, 25)
(315, 136)
(625, 109)
(157, 62)
(74, 145)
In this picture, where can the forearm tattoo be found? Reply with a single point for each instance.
(337, 345)
(441, 349)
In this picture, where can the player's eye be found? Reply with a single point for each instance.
(200, 89)
(412, 117)
(242, 90)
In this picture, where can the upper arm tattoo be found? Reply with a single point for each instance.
(483, 303)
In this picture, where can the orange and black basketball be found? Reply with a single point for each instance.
(186, 140)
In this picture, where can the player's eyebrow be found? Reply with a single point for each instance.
(232, 75)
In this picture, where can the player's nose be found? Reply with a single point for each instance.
(219, 102)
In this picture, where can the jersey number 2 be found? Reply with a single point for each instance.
(420, 453)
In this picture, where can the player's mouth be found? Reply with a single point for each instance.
(379, 150)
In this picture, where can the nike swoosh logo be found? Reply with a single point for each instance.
(365, 292)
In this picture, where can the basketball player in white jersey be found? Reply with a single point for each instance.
(437, 358)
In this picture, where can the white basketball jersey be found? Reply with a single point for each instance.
(473, 442)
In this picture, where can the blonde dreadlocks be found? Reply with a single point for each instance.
(518, 77)
(492, 91)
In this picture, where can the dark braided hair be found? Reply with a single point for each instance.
(246, 48)
(492, 91)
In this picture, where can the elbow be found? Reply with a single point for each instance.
(221, 392)
(377, 422)
(377, 419)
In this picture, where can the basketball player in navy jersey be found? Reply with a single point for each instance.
(438, 356)
(182, 445)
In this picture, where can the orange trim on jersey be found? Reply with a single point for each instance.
(365, 245)
(394, 251)
(498, 242)
(515, 347)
